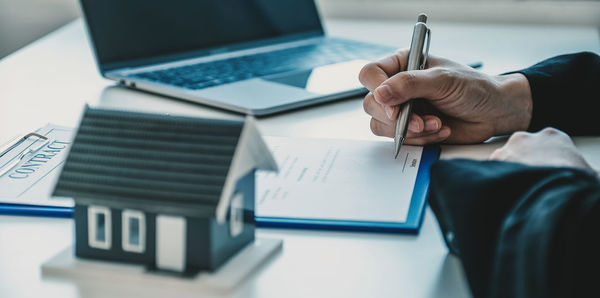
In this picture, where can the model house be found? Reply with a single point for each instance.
(173, 193)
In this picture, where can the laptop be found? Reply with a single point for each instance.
(256, 57)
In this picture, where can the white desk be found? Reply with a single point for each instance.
(51, 80)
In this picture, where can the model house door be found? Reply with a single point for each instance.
(170, 242)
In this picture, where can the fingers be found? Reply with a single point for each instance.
(432, 123)
(498, 154)
(387, 129)
(375, 73)
(375, 109)
(395, 63)
(381, 129)
(555, 133)
(416, 125)
(406, 85)
(521, 141)
(382, 113)
(421, 130)
(429, 138)
(389, 114)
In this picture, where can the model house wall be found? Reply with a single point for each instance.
(161, 240)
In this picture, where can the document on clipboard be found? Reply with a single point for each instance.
(29, 166)
(344, 185)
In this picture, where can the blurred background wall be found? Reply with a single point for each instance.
(23, 21)
(580, 12)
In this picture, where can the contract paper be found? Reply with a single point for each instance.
(32, 180)
(338, 180)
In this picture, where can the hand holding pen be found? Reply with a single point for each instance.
(457, 103)
(417, 57)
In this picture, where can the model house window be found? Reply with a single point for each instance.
(99, 227)
(134, 231)
(236, 220)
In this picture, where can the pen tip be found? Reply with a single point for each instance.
(397, 146)
(422, 18)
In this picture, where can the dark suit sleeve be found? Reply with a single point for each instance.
(565, 92)
(520, 231)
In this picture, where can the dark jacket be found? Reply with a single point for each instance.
(524, 231)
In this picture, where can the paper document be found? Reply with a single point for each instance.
(338, 179)
(31, 181)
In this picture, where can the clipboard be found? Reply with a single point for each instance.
(35, 210)
(22, 150)
(412, 224)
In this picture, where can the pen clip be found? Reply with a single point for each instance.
(426, 53)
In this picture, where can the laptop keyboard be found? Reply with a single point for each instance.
(204, 75)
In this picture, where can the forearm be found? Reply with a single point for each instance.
(515, 226)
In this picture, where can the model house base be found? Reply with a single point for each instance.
(87, 272)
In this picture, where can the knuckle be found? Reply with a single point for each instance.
(558, 135)
(518, 136)
(442, 72)
(448, 79)
(551, 131)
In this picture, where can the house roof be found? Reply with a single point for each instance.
(126, 159)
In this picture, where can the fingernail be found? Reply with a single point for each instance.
(413, 126)
(383, 93)
(431, 124)
(389, 111)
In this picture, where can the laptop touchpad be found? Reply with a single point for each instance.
(326, 79)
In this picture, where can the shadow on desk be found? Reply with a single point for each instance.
(450, 282)
(123, 98)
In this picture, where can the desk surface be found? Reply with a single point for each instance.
(51, 80)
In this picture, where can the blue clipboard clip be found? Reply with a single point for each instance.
(20, 209)
(12, 144)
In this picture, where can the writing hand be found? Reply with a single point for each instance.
(455, 103)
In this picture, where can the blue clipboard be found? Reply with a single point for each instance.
(23, 209)
(410, 226)
(413, 222)
(35, 210)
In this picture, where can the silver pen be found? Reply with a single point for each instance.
(416, 60)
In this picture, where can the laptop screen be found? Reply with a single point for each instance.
(134, 32)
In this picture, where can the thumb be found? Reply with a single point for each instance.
(398, 89)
